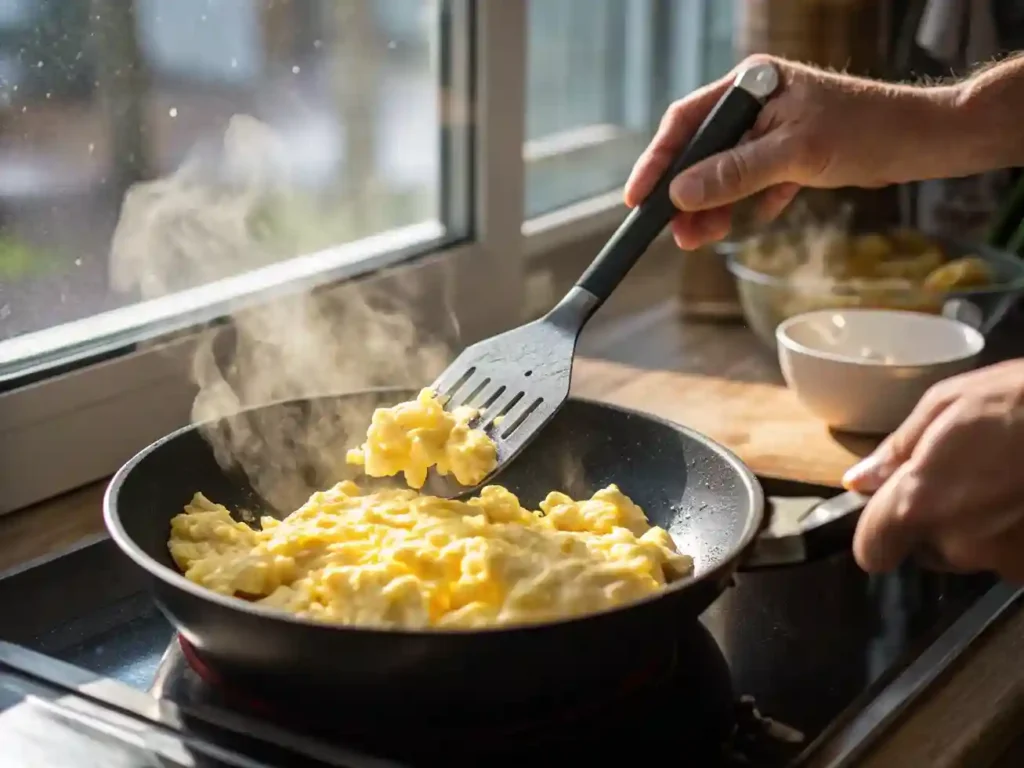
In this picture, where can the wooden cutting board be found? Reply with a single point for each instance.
(761, 422)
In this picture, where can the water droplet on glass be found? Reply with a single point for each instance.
(48, 94)
(392, 44)
(78, 262)
(92, 148)
(234, 63)
(173, 112)
(39, 65)
(296, 69)
(317, 43)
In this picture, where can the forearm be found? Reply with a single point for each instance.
(918, 132)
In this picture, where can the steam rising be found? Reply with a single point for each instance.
(212, 220)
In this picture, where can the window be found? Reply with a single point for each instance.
(271, 129)
(589, 107)
(166, 165)
(716, 44)
(600, 74)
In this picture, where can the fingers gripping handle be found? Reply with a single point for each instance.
(733, 115)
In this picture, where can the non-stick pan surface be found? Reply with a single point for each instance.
(703, 495)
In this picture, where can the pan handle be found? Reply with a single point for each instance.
(826, 528)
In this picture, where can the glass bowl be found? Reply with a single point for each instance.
(767, 300)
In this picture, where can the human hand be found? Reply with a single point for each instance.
(822, 129)
(951, 478)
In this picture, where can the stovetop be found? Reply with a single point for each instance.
(794, 655)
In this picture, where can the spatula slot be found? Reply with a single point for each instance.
(509, 405)
(493, 398)
(451, 391)
(488, 409)
(518, 422)
(476, 391)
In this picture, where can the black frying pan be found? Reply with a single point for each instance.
(702, 494)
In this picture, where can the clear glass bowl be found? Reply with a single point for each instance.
(767, 300)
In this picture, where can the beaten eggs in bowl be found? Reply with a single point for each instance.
(399, 559)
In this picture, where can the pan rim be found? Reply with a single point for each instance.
(171, 577)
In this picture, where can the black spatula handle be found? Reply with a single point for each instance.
(733, 115)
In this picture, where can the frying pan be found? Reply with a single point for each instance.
(711, 503)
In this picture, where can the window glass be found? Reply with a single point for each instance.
(151, 146)
(600, 74)
(588, 107)
(719, 56)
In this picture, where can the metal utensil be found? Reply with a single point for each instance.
(519, 379)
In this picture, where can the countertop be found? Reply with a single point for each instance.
(718, 379)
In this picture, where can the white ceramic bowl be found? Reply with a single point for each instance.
(863, 370)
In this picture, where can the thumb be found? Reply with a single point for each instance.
(735, 174)
(872, 472)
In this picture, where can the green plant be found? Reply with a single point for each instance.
(18, 259)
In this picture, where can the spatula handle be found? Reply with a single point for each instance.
(723, 128)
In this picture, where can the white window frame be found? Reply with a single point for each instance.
(558, 155)
(78, 427)
(547, 233)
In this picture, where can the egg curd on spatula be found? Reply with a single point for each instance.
(397, 558)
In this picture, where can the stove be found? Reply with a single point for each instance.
(791, 667)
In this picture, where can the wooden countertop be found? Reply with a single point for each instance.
(718, 380)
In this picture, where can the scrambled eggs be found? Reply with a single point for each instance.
(396, 558)
(413, 437)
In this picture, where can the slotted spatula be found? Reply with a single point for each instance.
(520, 378)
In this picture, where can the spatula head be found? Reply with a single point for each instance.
(518, 379)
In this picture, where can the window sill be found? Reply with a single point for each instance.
(93, 336)
(565, 226)
(565, 168)
(51, 527)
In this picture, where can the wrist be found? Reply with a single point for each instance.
(986, 115)
(911, 133)
(945, 139)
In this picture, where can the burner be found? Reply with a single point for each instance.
(684, 698)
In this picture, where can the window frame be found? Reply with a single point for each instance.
(78, 426)
(676, 67)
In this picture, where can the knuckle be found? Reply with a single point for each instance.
(730, 171)
(914, 497)
(811, 151)
(935, 398)
(673, 113)
(948, 388)
(960, 554)
(936, 393)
